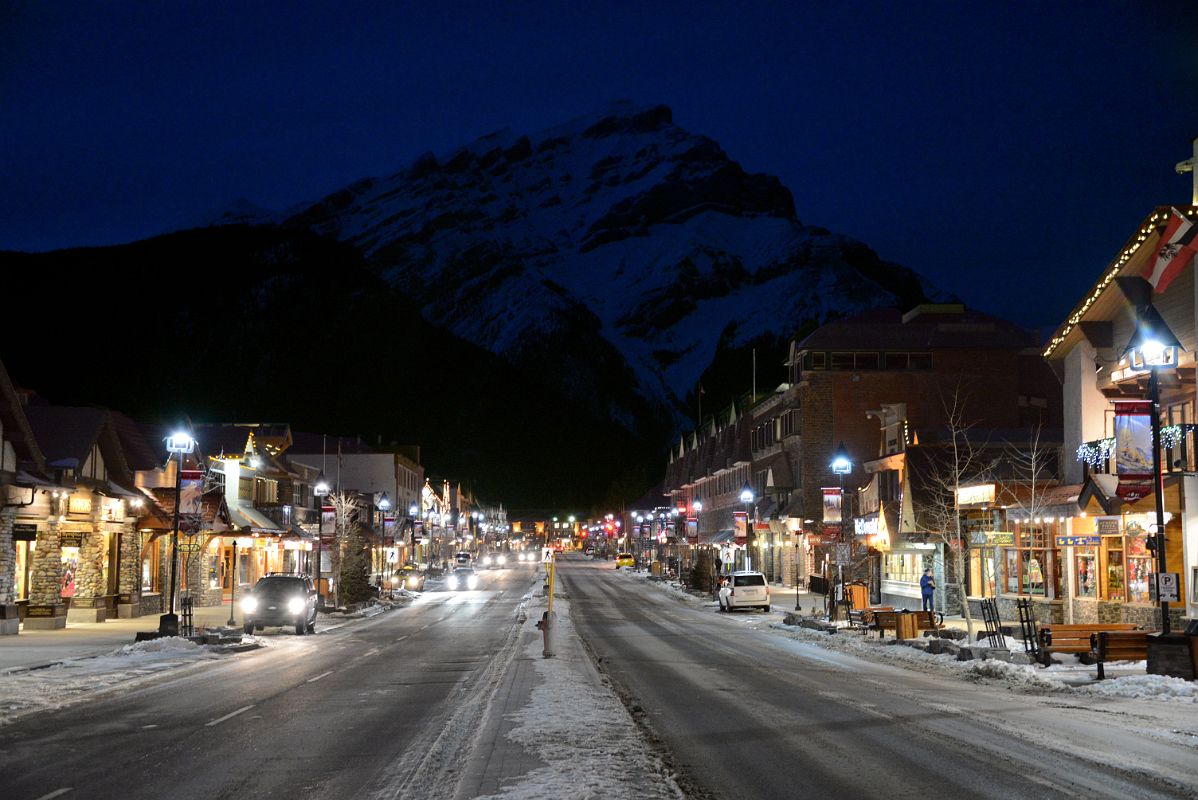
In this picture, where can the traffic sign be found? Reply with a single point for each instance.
(1167, 587)
(843, 554)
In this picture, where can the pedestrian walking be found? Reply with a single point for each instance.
(927, 588)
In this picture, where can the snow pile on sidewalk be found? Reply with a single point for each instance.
(60, 685)
(592, 748)
(1021, 677)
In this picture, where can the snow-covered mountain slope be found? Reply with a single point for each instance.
(618, 244)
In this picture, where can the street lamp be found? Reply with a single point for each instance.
(1152, 346)
(747, 497)
(182, 444)
(319, 491)
(841, 465)
(233, 589)
(384, 505)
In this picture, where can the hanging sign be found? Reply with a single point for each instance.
(1133, 449)
(1078, 541)
(1107, 526)
(833, 499)
(740, 521)
(191, 502)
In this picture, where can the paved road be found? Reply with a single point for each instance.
(748, 713)
(375, 708)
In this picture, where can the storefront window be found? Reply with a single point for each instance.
(1086, 561)
(1031, 568)
(70, 566)
(1116, 588)
(24, 562)
(1139, 565)
(907, 567)
(149, 568)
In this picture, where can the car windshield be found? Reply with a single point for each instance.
(624, 555)
(279, 586)
(748, 580)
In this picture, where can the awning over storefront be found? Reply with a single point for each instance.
(720, 537)
(248, 517)
(30, 481)
(767, 509)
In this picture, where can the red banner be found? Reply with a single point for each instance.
(1133, 449)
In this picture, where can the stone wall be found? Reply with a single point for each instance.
(89, 578)
(8, 557)
(45, 575)
(130, 557)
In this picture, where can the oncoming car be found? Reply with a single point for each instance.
(625, 560)
(408, 577)
(288, 600)
(462, 578)
(498, 560)
(745, 590)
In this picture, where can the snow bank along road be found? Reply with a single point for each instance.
(358, 711)
(750, 712)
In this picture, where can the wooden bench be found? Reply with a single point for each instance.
(1119, 646)
(1073, 638)
(863, 619)
(929, 621)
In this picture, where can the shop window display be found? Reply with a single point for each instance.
(1031, 568)
(70, 566)
(1086, 562)
(24, 563)
(1139, 566)
(1116, 587)
(149, 568)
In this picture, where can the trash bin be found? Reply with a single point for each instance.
(655, 569)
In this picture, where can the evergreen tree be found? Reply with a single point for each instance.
(354, 576)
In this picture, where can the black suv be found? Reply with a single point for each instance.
(281, 600)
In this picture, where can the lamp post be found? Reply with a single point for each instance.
(1152, 346)
(233, 588)
(413, 510)
(182, 444)
(319, 491)
(841, 465)
(747, 497)
(384, 505)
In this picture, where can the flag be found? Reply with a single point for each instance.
(1177, 247)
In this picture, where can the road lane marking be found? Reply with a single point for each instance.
(400, 639)
(241, 710)
(55, 793)
(318, 677)
(374, 651)
(148, 727)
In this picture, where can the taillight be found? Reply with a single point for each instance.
(732, 592)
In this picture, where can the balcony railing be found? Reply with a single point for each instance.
(284, 515)
(1179, 452)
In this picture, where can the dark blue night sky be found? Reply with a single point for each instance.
(1005, 150)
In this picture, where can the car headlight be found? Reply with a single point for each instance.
(296, 605)
(502, 560)
(249, 604)
(452, 583)
(412, 581)
(472, 581)
(487, 561)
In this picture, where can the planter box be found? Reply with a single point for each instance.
(1170, 655)
(45, 618)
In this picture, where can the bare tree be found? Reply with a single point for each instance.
(958, 461)
(345, 507)
(1034, 466)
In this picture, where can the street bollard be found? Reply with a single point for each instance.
(546, 625)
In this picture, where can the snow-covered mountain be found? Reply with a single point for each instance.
(617, 247)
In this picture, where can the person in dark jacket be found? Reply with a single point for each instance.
(927, 588)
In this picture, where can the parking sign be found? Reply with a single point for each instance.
(1167, 587)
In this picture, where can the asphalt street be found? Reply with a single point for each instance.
(373, 708)
(747, 712)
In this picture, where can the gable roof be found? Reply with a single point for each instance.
(16, 424)
(66, 434)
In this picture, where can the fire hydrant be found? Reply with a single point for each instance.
(546, 625)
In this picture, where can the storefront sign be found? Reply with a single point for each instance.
(79, 504)
(1107, 526)
(832, 504)
(1001, 539)
(974, 495)
(24, 533)
(1078, 541)
(70, 539)
(1133, 449)
(866, 526)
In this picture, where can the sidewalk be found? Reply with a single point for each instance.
(81, 639)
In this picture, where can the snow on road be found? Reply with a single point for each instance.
(59, 685)
(577, 725)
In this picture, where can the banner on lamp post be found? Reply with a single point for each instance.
(740, 523)
(1133, 449)
(833, 500)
